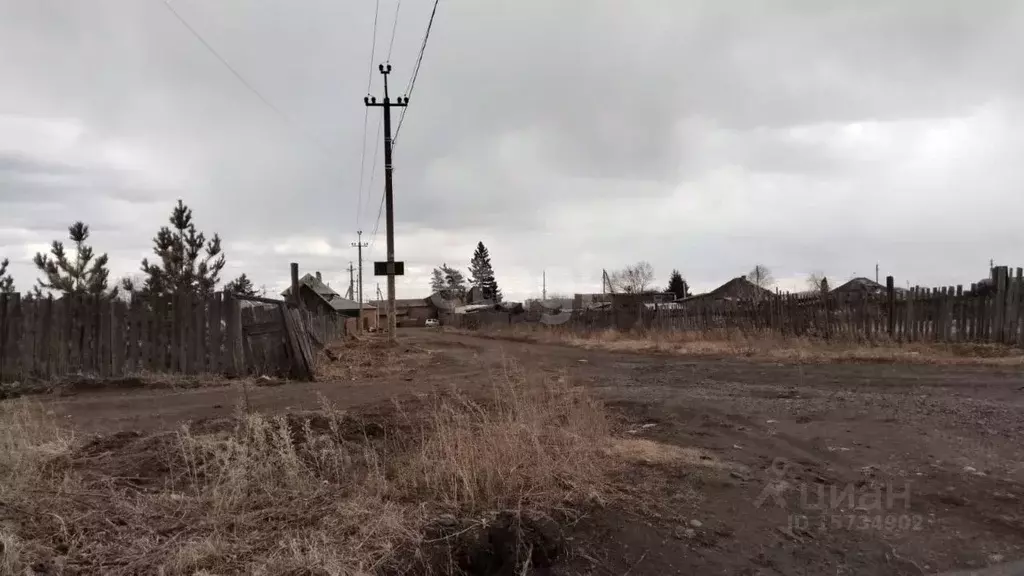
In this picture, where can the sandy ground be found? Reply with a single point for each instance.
(752, 468)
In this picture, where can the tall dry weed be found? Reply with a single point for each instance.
(311, 493)
(30, 442)
(535, 442)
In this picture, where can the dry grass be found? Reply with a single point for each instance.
(322, 493)
(369, 357)
(764, 346)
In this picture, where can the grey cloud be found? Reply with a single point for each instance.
(523, 112)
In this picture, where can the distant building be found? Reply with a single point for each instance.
(408, 311)
(860, 286)
(738, 289)
(320, 298)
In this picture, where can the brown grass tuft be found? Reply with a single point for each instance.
(533, 445)
(319, 493)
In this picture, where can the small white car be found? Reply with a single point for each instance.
(432, 323)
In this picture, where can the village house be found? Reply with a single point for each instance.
(319, 298)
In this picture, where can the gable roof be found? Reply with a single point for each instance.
(741, 289)
(860, 285)
(332, 298)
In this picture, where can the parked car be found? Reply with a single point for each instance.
(432, 323)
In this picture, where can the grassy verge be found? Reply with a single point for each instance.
(763, 346)
(449, 486)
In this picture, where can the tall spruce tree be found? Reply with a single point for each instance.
(84, 273)
(677, 285)
(482, 274)
(241, 285)
(6, 280)
(187, 263)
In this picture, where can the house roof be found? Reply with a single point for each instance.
(333, 299)
(740, 288)
(860, 285)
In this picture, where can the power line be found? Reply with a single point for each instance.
(408, 92)
(416, 69)
(287, 120)
(394, 28)
(366, 115)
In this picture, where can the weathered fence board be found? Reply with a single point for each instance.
(47, 337)
(944, 314)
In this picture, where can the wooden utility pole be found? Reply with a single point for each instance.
(389, 201)
(360, 244)
(351, 281)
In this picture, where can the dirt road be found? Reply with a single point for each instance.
(838, 469)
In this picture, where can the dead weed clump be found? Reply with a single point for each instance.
(458, 486)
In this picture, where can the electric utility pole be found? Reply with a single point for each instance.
(389, 201)
(351, 282)
(360, 244)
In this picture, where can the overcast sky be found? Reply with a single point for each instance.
(568, 136)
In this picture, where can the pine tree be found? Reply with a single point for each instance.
(482, 274)
(6, 280)
(84, 274)
(677, 285)
(187, 262)
(241, 285)
(438, 284)
(455, 282)
(448, 282)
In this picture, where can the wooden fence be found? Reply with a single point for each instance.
(992, 313)
(46, 338)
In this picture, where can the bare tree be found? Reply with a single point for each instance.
(814, 281)
(761, 276)
(635, 279)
